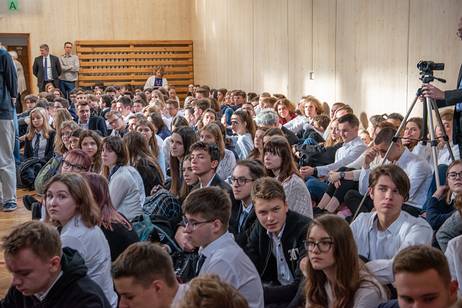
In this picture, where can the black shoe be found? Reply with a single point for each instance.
(28, 200)
(36, 210)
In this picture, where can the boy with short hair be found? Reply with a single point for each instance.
(276, 243)
(382, 234)
(206, 218)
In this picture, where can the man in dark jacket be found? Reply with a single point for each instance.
(450, 98)
(44, 275)
(46, 68)
(276, 244)
(87, 121)
(8, 92)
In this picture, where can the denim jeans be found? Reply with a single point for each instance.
(316, 187)
(66, 87)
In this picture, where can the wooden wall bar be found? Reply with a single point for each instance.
(362, 52)
(132, 62)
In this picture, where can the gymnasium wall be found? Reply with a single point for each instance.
(56, 21)
(362, 52)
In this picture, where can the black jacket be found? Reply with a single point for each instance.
(8, 85)
(97, 124)
(259, 249)
(39, 73)
(453, 97)
(242, 236)
(49, 150)
(74, 289)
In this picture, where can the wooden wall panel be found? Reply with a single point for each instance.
(300, 52)
(270, 46)
(432, 30)
(324, 44)
(54, 22)
(371, 54)
(362, 52)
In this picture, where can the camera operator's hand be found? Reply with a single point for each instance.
(431, 91)
(306, 171)
(371, 153)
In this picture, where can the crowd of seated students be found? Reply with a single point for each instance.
(248, 200)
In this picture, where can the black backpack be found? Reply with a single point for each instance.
(27, 172)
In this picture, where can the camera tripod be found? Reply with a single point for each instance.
(426, 72)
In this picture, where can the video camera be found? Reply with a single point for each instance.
(430, 66)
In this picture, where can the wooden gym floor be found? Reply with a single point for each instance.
(7, 222)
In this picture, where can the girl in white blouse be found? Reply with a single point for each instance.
(336, 277)
(70, 205)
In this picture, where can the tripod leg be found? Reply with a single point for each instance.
(441, 126)
(395, 138)
(433, 141)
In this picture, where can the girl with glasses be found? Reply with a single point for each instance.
(335, 275)
(442, 204)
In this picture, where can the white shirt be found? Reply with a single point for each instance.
(454, 258)
(380, 247)
(369, 294)
(42, 144)
(94, 249)
(444, 157)
(226, 259)
(41, 296)
(346, 154)
(298, 123)
(284, 274)
(48, 67)
(418, 171)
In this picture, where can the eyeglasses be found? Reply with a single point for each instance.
(113, 121)
(69, 165)
(323, 246)
(454, 175)
(194, 224)
(241, 180)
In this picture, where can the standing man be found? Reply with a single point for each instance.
(8, 93)
(46, 68)
(70, 66)
(450, 98)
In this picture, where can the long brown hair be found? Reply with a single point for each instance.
(153, 146)
(215, 130)
(81, 193)
(117, 145)
(100, 188)
(96, 162)
(347, 266)
(247, 119)
(279, 146)
(138, 151)
(188, 136)
(62, 115)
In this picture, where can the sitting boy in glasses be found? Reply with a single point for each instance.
(206, 218)
(380, 235)
(276, 244)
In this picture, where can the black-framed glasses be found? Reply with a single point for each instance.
(454, 175)
(323, 245)
(69, 165)
(241, 180)
(194, 224)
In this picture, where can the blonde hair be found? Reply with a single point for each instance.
(46, 128)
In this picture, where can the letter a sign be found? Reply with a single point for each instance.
(13, 5)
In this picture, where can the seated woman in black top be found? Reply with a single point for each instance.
(141, 158)
(116, 228)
